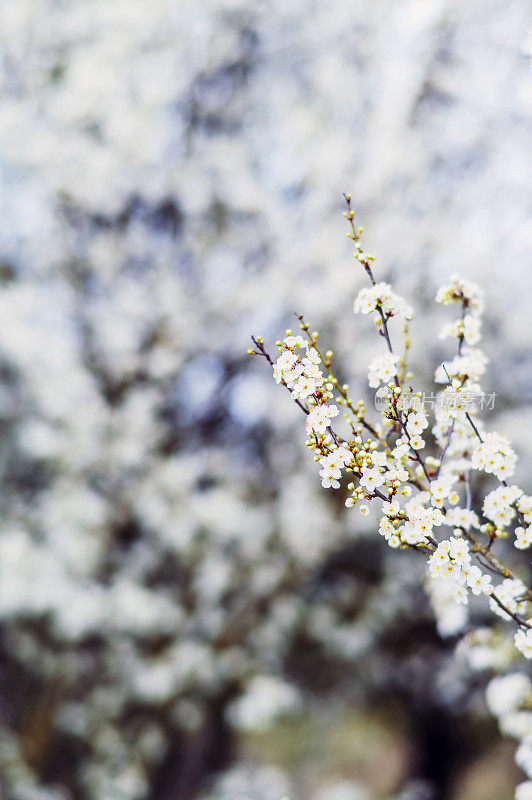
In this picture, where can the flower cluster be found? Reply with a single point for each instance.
(301, 374)
(382, 369)
(469, 296)
(332, 465)
(381, 297)
(319, 419)
(452, 561)
(459, 290)
(471, 364)
(494, 455)
(498, 505)
(467, 329)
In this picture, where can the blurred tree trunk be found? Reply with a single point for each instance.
(196, 756)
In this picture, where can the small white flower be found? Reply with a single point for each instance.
(319, 418)
(459, 594)
(378, 458)
(371, 479)
(329, 482)
(471, 329)
(523, 642)
(390, 508)
(523, 537)
(383, 368)
(312, 356)
(304, 388)
(416, 423)
(343, 454)
(477, 582)
(386, 528)
(365, 302)
(439, 489)
(294, 341)
(459, 550)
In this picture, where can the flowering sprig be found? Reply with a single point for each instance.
(418, 470)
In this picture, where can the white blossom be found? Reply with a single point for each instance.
(523, 642)
(523, 537)
(318, 420)
(381, 296)
(494, 455)
(382, 368)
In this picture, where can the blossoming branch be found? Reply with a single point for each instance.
(417, 467)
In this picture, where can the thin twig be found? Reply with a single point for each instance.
(446, 447)
(520, 621)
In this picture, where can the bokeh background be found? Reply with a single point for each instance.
(184, 613)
